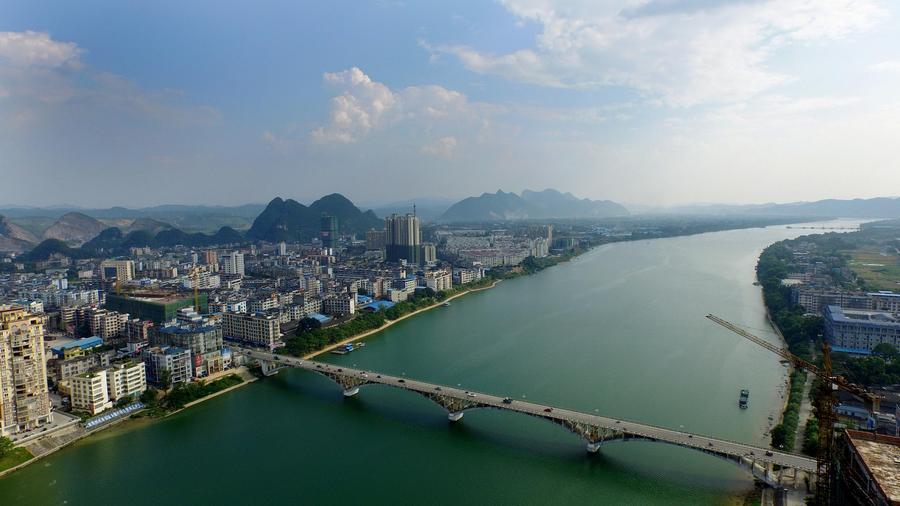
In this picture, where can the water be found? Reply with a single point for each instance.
(620, 330)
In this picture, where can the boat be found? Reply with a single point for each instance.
(745, 396)
(446, 304)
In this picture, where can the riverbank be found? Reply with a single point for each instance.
(47, 446)
(389, 323)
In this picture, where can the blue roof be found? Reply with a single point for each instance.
(319, 316)
(83, 343)
(380, 304)
(362, 299)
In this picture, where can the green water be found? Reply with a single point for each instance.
(620, 330)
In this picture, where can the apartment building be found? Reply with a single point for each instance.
(24, 399)
(255, 329)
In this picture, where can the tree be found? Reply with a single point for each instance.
(124, 401)
(885, 351)
(149, 397)
(308, 324)
(165, 379)
(6, 446)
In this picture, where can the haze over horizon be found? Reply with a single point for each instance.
(649, 102)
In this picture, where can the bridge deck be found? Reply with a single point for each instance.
(636, 429)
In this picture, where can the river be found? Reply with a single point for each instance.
(619, 330)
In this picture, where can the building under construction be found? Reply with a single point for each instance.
(158, 307)
(869, 472)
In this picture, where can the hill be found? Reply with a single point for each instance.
(879, 207)
(74, 228)
(530, 205)
(15, 238)
(289, 220)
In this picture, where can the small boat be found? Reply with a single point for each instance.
(745, 396)
(446, 304)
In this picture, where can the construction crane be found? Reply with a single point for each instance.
(826, 401)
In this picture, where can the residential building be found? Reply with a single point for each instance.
(885, 301)
(210, 257)
(232, 263)
(439, 280)
(339, 305)
(203, 341)
(106, 324)
(255, 329)
(89, 392)
(402, 238)
(126, 379)
(154, 306)
(856, 331)
(120, 270)
(429, 253)
(24, 399)
(329, 231)
(375, 239)
(175, 360)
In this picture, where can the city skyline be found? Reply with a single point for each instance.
(655, 103)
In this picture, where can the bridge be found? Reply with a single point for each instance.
(776, 469)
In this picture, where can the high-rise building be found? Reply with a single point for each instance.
(429, 253)
(329, 231)
(121, 270)
(233, 263)
(282, 249)
(210, 257)
(402, 238)
(24, 399)
(374, 239)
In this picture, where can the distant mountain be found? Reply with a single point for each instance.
(185, 217)
(74, 228)
(151, 225)
(14, 238)
(289, 220)
(113, 242)
(554, 204)
(530, 205)
(880, 207)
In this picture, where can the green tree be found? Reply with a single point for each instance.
(149, 397)
(165, 379)
(6, 446)
(308, 324)
(885, 351)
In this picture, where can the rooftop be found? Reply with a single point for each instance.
(881, 455)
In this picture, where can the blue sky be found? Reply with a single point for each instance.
(639, 101)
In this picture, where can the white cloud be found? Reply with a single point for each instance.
(684, 53)
(886, 66)
(27, 49)
(40, 76)
(364, 105)
(445, 147)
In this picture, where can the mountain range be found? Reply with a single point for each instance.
(529, 205)
(289, 220)
(879, 207)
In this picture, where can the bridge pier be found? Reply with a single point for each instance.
(455, 416)
(350, 392)
(268, 368)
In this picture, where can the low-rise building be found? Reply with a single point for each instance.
(126, 379)
(339, 305)
(89, 392)
(868, 469)
(439, 280)
(856, 331)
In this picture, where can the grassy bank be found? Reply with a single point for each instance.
(14, 457)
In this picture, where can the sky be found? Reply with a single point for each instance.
(658, 102)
